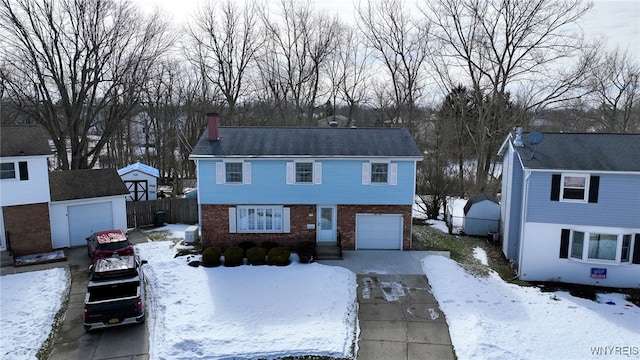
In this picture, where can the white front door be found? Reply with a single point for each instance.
(326, 225)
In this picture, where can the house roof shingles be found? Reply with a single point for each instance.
(295, 142)
(23, 140)
(583, 152)
(84, 184)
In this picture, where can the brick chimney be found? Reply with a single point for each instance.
(213, 122)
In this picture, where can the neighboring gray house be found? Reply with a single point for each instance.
(481, 215)
(571, 208)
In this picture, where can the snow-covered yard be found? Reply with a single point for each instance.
(28, 305)
(251, 312)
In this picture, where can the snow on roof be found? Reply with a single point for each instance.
(139, 167)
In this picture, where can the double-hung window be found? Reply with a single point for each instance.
(233, 172)
(304, 173)
(379, 173)
(574, 187)
(7, 170)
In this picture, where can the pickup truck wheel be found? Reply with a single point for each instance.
(87, 328)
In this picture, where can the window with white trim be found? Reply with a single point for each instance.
(304, 172)
(233, 172)
(7, 170)
(601, 247)
(574, 187)
(260, 219)
(379, 173)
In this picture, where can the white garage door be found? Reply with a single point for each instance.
(379, 231)
(85, 219)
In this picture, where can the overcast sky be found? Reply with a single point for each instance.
(617, 20)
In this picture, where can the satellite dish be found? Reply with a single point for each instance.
(535, 137)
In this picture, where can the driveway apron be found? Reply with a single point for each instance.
(399, 317)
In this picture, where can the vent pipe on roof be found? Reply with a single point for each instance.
(213, 122)
(518, 141)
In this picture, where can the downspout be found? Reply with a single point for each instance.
(523, 219)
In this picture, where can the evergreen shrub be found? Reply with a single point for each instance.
(306, 251)
(278, 256)
(233, 256)
(256, 256)
(211, 256)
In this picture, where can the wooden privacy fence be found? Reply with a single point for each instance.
(144, 213)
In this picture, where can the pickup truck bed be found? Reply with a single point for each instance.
(113, 300)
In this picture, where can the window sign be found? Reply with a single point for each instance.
(598, 273)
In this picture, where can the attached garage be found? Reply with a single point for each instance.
(379, 231)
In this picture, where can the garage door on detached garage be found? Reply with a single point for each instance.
(86, 219)
(379, 231)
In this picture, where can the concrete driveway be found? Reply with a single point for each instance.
(73, 342)
(399, 317)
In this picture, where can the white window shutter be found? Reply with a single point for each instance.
(290, 172)
(219, 173)
(393, 174)
(232, 220)
(366, 173)
(317, 172)
(246, 172)
(286, 219)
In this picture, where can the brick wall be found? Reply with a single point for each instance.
(347, 222)
(215, 225)
(29, 228)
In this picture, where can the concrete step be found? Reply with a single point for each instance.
(326, 252)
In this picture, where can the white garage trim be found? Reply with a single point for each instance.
(379, 231)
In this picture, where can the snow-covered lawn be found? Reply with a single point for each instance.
(265, 311)
(247, 312)
(28, 305)
(491, 319)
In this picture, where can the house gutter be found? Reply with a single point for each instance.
(523, 218)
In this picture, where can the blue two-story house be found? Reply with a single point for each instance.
(290, 185)
(570, 209)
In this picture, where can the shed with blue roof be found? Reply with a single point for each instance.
(141, 181)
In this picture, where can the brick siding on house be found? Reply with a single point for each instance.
(215, 225)
(347, 222)
(28, 227)
(215, 228)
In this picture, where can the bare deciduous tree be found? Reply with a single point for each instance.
(223, 41)
(75, 66)
(614, 89)
(402, 43)
(299, 41)
(498, 47)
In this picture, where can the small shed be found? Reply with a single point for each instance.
(141, 180)
(481, 215)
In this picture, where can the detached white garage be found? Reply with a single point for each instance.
(85, 201)
(379, 231)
